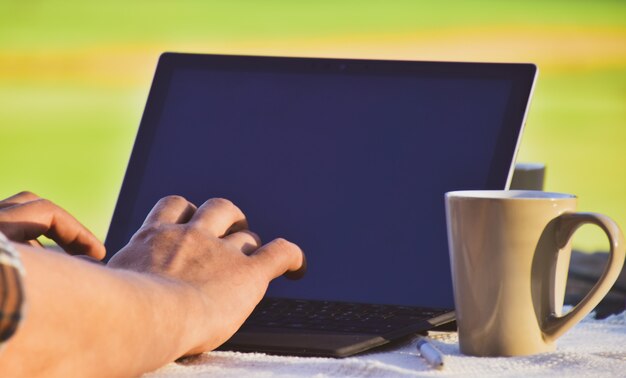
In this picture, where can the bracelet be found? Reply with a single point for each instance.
(11, 289)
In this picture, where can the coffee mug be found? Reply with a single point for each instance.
(509, 255)
(528, 176)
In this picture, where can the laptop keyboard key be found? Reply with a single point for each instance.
(336, 317)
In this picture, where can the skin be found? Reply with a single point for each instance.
(183, 285)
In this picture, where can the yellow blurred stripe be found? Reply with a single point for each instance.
(560, 48)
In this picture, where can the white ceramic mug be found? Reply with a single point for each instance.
(528, 176)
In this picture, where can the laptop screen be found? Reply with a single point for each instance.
(348, 159)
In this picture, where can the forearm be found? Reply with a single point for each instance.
(83, 319)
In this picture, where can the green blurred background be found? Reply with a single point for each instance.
(74, 76)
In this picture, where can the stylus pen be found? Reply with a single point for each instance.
(428, 352)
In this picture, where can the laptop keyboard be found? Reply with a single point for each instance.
(336, 316)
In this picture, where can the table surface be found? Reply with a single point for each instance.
(593, 348)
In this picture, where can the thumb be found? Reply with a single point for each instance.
(280, 257)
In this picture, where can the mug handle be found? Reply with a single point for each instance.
(567, 224)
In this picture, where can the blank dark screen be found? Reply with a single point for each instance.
(350, 166)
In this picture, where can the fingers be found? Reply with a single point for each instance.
(219, 217)
(35, 243)
(90, 259)
(280, 257)
(246, 241)
(171, 209)
(29, 220)
(18, 198)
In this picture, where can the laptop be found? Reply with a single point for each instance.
(349, 159)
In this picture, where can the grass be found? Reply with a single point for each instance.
(74, 77)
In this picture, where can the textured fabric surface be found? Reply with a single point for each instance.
(593, 348)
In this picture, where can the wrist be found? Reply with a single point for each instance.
(188, 312)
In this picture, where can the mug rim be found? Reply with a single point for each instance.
(509, 195)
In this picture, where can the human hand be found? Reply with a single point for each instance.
(24, 217)
(210, 250)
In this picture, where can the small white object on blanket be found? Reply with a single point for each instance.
(593, 348)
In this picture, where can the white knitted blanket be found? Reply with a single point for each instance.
(593, 348)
